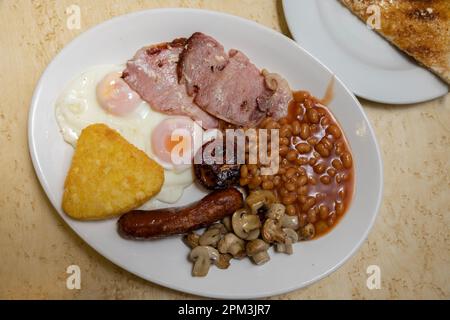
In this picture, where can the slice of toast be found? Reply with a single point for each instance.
(419, 28)
(108, 176)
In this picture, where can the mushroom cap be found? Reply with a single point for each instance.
(265, 196)
(257, 250)
(290, 222)
(220, 226)
(255, 246)
(291, 235)
(227, 223)
(204, 252)
(191, 239)
(224, 261)
(307, 232)
(272, 232)
(276, 211)
(202, 256)
(245, 225)
(256, 206)
(250, 222)
(270, 79)
(210, 237)
(231, 243)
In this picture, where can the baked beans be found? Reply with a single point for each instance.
(315, 178)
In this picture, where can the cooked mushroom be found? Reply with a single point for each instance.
(307, 232)
(256, 197)
(191, 239)
(257, 250)
(227, 223)
(224, 261)
(259, 199)
(220, 226)
(270, 79)
(210, 237)
(272, 232)
(202, 256)
(233, 245)
(256, 206)
(245, 225)
(290, 222)
(276, 211)
(286, 246)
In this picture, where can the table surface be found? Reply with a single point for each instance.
(410, 240)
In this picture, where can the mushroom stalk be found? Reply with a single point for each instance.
(307, 232)
(245, 225)
(257, 250)
(286, 246)
(233, 245)
(202, 256)
(212, 235)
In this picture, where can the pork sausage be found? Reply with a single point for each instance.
(139, 224)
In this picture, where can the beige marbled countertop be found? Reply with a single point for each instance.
(410, 241)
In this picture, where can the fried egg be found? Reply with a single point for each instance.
(99, 95)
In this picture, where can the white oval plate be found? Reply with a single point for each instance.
(164, 261)
(371, 67)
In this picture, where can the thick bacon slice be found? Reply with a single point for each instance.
(276, 104)
(229, 86)
(152, 73)
(232, 94)
(201, 59)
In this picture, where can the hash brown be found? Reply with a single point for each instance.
(108, 176)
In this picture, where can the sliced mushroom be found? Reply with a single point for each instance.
(270, 79)
(220, 226)
(307, 232)
(290, 222)
(224, 261)
(255, 197)
(257, 250)
(233, 245)
(202, 256)
(286, 246)
(256, 206)
(245, 225)
(260, 199)
(272, 231)
(191, 239)
(227, 223)
(212, 235)
(276, 211)
(210, 238)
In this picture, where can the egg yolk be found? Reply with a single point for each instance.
(172, 140)
(172, 143)
(115, 96)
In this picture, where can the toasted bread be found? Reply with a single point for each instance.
(108, 176)
(419, 28)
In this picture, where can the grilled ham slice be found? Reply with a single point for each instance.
(152, 73)
(229, 86)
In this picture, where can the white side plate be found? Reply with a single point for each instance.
(371, 67)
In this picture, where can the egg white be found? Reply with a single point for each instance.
(77, 108)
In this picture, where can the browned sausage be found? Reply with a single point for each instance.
(165, 222)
